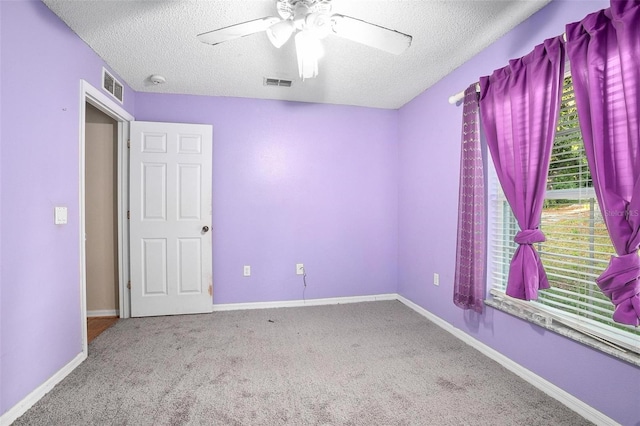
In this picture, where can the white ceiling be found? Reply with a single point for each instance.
(141, 38)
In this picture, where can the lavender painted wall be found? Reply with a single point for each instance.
(42, 64)
(317, 184)
(429, 152)
(296, 183)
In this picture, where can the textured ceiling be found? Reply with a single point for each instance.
(141, 38)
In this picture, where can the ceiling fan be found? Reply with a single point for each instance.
(311, 21)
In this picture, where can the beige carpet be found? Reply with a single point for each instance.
(375, 363)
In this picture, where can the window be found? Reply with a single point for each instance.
(576, 251)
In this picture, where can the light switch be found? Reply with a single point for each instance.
(60, 215)
(247, 271)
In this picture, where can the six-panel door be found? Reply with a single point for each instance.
(170, 218)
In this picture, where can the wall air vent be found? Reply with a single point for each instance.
(277, 82)
(111, 85)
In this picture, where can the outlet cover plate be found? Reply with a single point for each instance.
(299, 269)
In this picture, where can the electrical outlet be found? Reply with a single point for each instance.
(247, 271)
(299, 269)
(436, 279)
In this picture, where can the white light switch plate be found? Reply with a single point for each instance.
(247, 271)
(60, 215)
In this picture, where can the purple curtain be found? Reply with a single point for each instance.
(469, 282)
(519, 111)
(604, 50)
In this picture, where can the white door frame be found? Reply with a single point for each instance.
(98, 99)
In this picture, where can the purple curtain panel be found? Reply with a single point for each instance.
(519, 111)
(469, 281)
(604, 52)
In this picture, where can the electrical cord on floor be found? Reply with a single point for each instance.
(304, 281)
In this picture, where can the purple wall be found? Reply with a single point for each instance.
(42, 64)
(296, 183)
(429, 155)
(366, 198)
(292, 183)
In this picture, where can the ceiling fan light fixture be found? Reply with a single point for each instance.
(280, 32)
(311, 21)
(319, 24)
(309, 50)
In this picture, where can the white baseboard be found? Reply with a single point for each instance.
(103, 313)
(564, 397)
(27, 402)
(298, 303)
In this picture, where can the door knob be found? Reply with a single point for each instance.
(205, 229)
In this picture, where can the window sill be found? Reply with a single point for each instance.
(528, 313)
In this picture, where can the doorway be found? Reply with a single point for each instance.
(91, 97)
(101, 220)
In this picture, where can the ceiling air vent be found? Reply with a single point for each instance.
(111, 85)
(277, 82)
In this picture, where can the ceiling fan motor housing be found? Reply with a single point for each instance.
(288, 9)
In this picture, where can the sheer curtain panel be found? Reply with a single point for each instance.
(604, 52)
(469, 282)
(519, 109)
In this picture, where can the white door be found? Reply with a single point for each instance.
(170, 218)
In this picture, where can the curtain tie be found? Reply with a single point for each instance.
(620, 282)
(529, 236)
(622, 270)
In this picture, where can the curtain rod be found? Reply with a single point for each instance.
(454, 99)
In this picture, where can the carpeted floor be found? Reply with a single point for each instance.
(376, 363)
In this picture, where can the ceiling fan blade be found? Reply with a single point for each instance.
(236, 31)
(370, 34)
